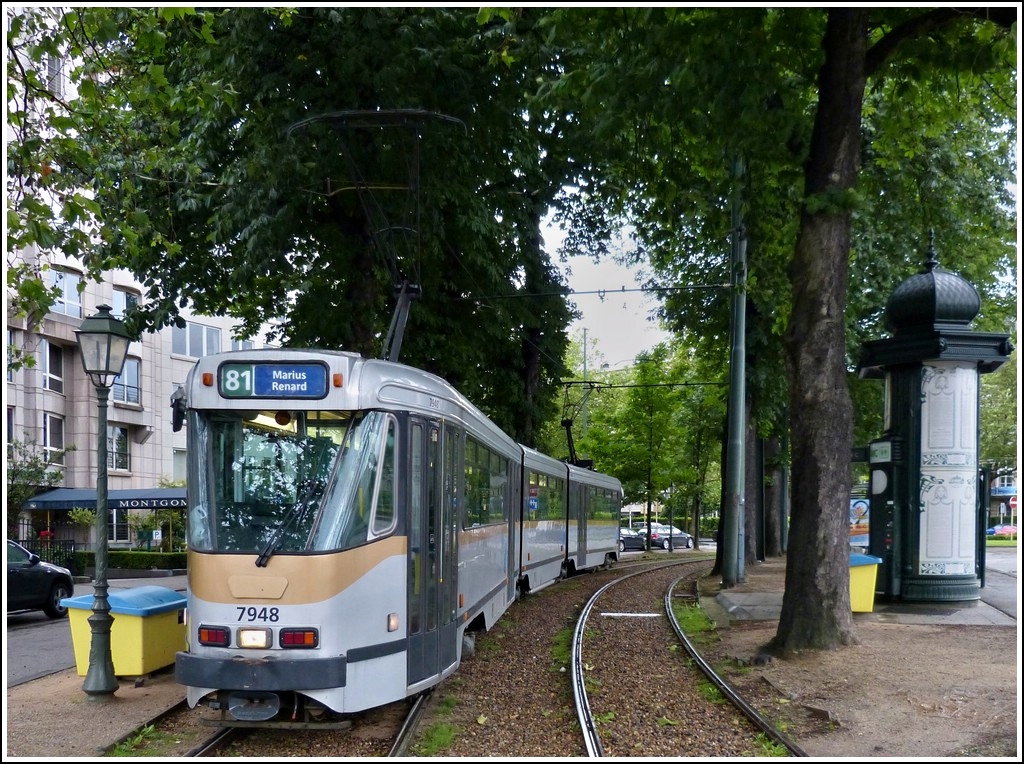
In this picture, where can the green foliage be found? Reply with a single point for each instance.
(561, 649)
(82, 516)
(769, 747)
(30, 470)
(170, 521)
(436, 739)
(202, 183)
(1000, 415)
(134, 560)
(137, 740)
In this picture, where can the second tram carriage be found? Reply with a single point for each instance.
(349, 521)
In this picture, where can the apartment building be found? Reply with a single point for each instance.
(53, 405)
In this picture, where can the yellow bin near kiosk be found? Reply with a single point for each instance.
(863, 572)
(147, 631)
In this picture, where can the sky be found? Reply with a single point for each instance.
(616, 315)
(615, 323)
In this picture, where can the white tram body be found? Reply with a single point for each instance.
(349, 520)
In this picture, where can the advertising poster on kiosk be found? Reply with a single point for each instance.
(859, 522)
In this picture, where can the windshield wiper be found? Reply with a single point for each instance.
(295, 517)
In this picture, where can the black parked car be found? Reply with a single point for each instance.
(36, 585)
(630, 540)
(680, 539)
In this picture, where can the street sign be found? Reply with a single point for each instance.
(1013, 503)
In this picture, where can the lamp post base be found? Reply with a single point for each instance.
(100, 680)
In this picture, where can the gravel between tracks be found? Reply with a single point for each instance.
(904, 691)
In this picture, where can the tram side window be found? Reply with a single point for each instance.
(384, 513)
(486, 485)
(550, 494)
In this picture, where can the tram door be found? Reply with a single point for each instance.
(432, 552)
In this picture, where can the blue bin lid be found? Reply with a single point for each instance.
(140, 600)
(864, 559)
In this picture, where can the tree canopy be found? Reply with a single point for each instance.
(235, 161)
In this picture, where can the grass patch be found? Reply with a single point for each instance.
(710, 692)
(436, 739)
(447, 704)
(769, 747)
(146, 741)
(561, 649)
(695, 623)
(990, 541)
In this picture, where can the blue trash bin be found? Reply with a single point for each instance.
(147, 631)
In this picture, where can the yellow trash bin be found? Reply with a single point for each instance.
(147, 631)
(863, 571)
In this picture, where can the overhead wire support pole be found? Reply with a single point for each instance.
(735, 501)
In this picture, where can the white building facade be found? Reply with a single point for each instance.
(52, 404)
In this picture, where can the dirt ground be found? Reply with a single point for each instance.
(905, 691)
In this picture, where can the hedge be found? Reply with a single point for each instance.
(132, 560)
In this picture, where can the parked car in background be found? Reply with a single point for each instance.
(660, 537)
(680, 539)
(36, 585)
(630, 540)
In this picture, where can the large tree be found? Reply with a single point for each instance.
(195, 183)
(807, 98)
(297, 166)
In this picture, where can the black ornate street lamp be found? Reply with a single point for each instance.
(103, 342)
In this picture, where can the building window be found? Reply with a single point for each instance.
(54, 74)
(53, 438)
(53, 367)
(1006, 481)
(69, 299)
(241, 344)
(117, 525)
(195, 340)
(123, 302)
(10, 355)
(117, 448)
(126, 387)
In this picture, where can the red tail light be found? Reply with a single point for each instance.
(299, 638)
(214, 636)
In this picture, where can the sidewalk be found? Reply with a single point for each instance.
(53, 717)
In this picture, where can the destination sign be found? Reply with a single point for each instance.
(272, 380)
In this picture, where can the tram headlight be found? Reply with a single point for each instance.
(254, 638)
(392, 622)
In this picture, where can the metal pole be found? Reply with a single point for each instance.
(734, 510)
(100, 682)
(585, 396)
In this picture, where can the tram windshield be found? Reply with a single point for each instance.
(271, 482)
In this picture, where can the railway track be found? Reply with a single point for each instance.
(582, 666)
(651, 709)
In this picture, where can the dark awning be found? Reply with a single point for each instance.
(132, 498)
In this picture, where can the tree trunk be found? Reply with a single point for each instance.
(753, 481)
(773, 508)
(816, 605)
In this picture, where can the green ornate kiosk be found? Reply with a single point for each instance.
(924, 489)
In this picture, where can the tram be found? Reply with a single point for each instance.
(352, 522)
